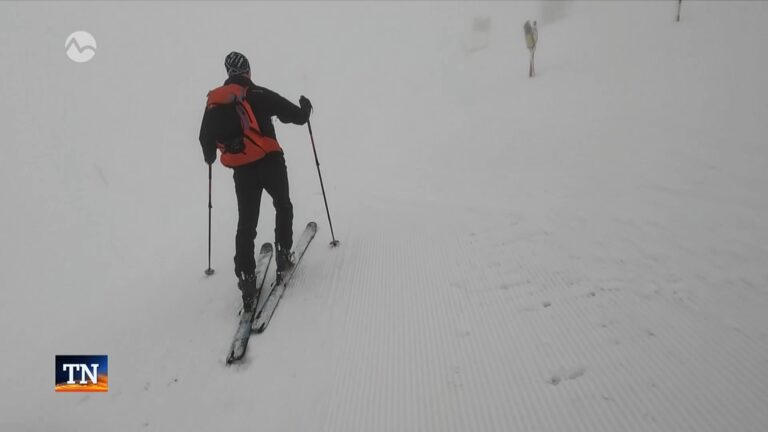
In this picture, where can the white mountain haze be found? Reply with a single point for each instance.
(585, 250)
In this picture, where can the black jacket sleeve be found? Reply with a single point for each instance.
(207, 139)
(284, 109)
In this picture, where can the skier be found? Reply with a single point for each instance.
(238, 121)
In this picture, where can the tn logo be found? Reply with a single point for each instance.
(91, 373)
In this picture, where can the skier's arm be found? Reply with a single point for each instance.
(207, 141)
(287, 112)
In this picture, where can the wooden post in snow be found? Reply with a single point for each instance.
(531, 37)
(679, 6)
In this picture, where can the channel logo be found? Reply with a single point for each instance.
(80, 46)
(82, 373)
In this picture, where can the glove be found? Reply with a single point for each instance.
(210, 157)
(305, 104)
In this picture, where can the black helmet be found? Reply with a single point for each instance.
(236, 64)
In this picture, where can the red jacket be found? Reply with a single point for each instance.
(255, 106)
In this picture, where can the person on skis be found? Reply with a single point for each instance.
(238, 122)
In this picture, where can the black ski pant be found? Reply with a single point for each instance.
(268, 173)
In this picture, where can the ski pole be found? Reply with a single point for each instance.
(209, 270)
(334, 242)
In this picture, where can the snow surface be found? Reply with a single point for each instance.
(581, 251)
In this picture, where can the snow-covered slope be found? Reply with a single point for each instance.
(585, 250)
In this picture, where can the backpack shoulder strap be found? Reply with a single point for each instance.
(226, 94)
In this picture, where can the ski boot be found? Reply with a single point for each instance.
(247, 285)
(285, 261)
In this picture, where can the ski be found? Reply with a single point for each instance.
(264, 315)
(243, 333)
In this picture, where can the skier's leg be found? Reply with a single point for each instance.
(275, 180)
(248, 189)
